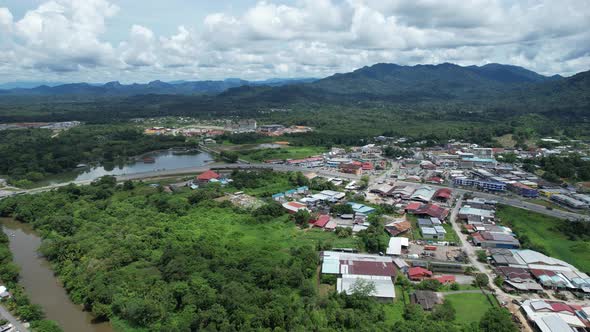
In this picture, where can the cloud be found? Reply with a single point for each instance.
(68, 39)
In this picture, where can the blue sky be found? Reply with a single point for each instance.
(139, 41)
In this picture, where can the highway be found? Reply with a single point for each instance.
(516, 202)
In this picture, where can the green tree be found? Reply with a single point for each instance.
(444, 312)
(497, 320)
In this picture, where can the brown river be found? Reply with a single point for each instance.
(41, 284)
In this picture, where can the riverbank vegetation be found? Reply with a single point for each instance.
(568, 241)
(29, 155)
(19, 304)
(155, 261)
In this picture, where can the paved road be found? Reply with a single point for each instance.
(516, 202)
(15, 322)
(484, 268)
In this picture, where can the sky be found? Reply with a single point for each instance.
(140, 40)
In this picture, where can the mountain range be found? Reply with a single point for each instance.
(492, 84)
(155, 87)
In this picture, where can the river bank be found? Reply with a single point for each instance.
(40, 283)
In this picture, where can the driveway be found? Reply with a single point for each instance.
(9, 317)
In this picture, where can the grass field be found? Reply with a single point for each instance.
(469, 307)
(289, 152)
(540, 229)
(394, 311)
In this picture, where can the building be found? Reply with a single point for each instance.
(294, 207)
(423, 194)
(433, 233)
(403, 192)
(443, 194)
(417, 273)
(430, 210)
(342, 263)
(523, 190)
(384, 288)
(396, 245)
(361, 208)
(351, 168)
(554, 316)
(426, 299)
(569, 201)
(496, 240)
(207, 176)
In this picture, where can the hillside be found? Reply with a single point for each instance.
(155, 87)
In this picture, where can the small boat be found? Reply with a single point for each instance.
(148, 160)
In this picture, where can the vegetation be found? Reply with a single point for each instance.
(283, 153)
(549, 235)
(32, 154)
(19, 304)
(469, 307)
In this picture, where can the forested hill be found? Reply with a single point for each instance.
(155, 87)
(492, 85)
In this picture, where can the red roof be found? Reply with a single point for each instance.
(413, 206)
(322, 221)
(537, 273)
(356, 163)
(370, 268)
(414, 272)
(435, 179)
(445, 279)
(443, 193)
(367, 166)
(558, 306)
(208, 175)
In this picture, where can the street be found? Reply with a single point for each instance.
(15, 322)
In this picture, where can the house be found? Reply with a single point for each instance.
(207, 176)
(426, 299)
(401, 265)
(398, 226)
(293, 207)
(430, 210)
(418, 273)
(403, 192)
(496, 240)
(321, 221)
(361, 208)
(443, 194)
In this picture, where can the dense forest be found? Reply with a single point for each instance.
(31, 154)
(155, 261)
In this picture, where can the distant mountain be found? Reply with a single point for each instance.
(26, 84)
(395, 83)
(154, 87)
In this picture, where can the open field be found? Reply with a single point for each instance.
(469, 307)
(288, 152)
(541, 232)
(394, 311)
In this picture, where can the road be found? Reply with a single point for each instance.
(484, 268)
(15, 322)
(516, 202)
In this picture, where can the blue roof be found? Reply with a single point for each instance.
(480, 160)
(278, 195)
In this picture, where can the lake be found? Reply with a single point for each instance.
(160, 160)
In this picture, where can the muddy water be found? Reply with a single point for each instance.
(40, 283)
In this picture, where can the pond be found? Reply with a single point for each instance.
(41, 285)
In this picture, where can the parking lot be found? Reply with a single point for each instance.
(442, 253)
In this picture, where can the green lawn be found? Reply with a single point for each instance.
(394, 311)
(541, 232)
(451, 234)
(469, 307)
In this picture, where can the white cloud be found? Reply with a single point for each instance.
(67, 38)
